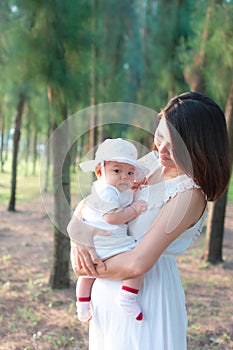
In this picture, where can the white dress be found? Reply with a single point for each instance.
(162, 297)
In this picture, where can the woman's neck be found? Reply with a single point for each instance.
(169, 173)
(164, 173)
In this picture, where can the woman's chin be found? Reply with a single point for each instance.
(164, 161)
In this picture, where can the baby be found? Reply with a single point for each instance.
(110, 207)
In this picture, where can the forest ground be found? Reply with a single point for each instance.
(34, 317)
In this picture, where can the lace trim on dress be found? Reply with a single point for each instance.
(168, 189)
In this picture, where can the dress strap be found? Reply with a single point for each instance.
(160, 193)
(179, 184)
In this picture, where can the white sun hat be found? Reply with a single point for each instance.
(117, 150)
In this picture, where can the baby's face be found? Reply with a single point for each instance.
(119, 175)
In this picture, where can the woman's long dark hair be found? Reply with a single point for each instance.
(201, 125)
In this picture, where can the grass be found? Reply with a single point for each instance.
(28, 186)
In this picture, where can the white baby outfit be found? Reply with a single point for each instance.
(104, 198)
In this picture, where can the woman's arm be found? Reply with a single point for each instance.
(177, 215)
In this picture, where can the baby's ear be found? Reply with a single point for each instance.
(98, 171)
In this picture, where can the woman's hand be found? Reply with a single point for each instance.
(84, 260)
(83, 255)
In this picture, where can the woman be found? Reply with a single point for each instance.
(194, 167)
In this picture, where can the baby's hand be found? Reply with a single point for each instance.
(137, 184)
(139, 206)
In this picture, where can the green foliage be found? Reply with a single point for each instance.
(138, 52)
(219, 52)
(212, 42)
(167, 26)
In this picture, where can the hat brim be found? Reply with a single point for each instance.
(141, 171)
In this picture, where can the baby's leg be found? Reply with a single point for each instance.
(134, 283)
(128, 297)
(83, 294)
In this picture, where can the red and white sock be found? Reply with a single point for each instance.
(128, 302)
(83, 306)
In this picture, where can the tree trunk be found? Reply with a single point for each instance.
(35, 150)
(133, 53)
(18, 120)
(2, 143)
(73, 156)
(7, 146)
(215, 230)
(215, 225)
(229, 118)
(49, 127)
(93, 88)
(59, 277)
(27, 150)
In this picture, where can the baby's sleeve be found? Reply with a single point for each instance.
(105, 200)
(109, 195)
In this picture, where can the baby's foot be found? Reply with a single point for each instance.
(128, 302)
(84, 311)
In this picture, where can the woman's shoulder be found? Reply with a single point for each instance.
(179, 184)
(159, 193)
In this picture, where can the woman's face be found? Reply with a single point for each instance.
(162, 140)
